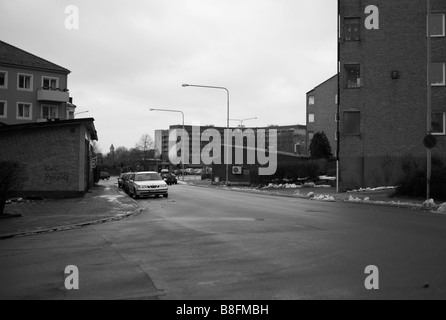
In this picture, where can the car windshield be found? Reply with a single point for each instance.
(147, 177)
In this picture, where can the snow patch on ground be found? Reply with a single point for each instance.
(324, 197)
(441, 209)
(282, 186)
(371, 189)
(111, 198)
(295, 186)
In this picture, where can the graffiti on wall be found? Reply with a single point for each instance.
(53, 174)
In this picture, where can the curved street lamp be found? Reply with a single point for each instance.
(227, 121)
(243, 120)
(182, 138)
(81, 112)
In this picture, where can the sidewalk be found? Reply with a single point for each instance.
(103, 203)
(379, 196)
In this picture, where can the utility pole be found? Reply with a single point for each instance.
(429, 102)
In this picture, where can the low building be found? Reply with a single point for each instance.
(57, 155)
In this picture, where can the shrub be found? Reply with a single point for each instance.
(292, 172)
(415, 180)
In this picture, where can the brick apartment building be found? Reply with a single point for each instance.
(383, 87)
(38, 129)
(322, 112)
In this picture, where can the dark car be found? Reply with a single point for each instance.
(122, 179)
(170, 178)
(125, 177)
(104, 175)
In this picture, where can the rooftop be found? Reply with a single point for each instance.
(13, 56)
(89, 123)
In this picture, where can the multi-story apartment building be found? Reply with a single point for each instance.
(384, 92)
(322, 112)
(162, 144)
(32, 89)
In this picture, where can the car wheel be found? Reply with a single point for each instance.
(165, 195)
(135, 195)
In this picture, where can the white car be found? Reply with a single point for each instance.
(146, 184)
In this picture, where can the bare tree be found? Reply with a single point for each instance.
(12, 178)
(145, 145)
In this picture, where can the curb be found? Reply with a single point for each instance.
(71, 226)
(337, 199)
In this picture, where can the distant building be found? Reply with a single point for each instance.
(32, 89)
(322, 112)
(291, 145)
(162, 144)
(384, 88)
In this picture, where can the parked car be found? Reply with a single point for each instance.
(169, 178)
(125, 182)
(146, 184)
(104, 175)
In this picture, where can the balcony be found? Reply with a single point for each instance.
(53, 95)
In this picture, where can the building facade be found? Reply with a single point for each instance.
(384, 92)
(57, 155)
(322, 112)
(32, 89)
(162, 144)
(290, 139)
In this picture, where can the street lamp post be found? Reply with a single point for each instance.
(227, 122)
(182, 137)
(243, 120)
(429, 102)
(81, 112)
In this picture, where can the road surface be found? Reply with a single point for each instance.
(204, 243)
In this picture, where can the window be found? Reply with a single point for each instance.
(352, 31)
(437, 25)
(352, 123)
(3, 109)
(24, 111)
(3, 80)
(49, 112)
(310, 100)
(353, 75)
(437, 73)
(50, 83)
(439, 123)
(311, 118)
(336, 99)
(25, 82)
(336, 117)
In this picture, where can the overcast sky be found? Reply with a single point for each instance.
(129, 56)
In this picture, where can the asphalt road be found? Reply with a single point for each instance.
(213, 244)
